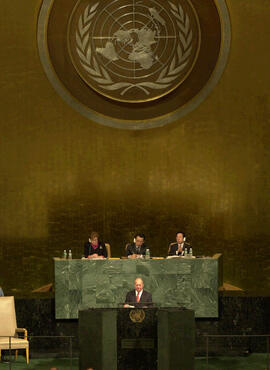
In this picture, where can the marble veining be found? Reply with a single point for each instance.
(189, 283)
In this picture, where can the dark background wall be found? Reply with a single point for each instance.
(63, 176)
(237, 316)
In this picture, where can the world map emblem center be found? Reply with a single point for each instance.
(134, 64)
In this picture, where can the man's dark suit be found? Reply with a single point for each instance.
(146, 299)
(132, 249)
(174, 248)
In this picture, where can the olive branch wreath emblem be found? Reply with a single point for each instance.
(167, 75)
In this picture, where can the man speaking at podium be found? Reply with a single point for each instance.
(138, 297)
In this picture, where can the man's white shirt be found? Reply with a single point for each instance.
(180, 253)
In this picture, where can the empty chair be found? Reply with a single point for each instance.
(9, 333)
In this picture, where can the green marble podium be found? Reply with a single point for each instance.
(181, 282)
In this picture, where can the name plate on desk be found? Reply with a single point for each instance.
(143, 343)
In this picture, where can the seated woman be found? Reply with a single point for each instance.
(94, 247)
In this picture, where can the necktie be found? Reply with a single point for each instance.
(138, 298)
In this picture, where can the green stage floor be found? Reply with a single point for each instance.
(254, 361)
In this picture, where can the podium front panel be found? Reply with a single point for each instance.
(137, 339)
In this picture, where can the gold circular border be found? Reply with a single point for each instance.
(145, 100)
(151, 123)
(135, 312)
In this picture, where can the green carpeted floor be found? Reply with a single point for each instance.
(41, 363)
(254, 361)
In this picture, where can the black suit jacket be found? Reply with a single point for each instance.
(146, 299)
(101, 249)
(131, 249)
(174, 248)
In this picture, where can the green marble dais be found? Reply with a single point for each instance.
(190, 283)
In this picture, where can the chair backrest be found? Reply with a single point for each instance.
(108, 247)
(8, 323)
(170, 247)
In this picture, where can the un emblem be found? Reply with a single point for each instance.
(134, 51)
(134, 64)
(137, 316)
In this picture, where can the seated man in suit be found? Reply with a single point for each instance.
(138, 248)
(178, 248)
(138, 297)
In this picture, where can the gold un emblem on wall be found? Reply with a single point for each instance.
(134, 51)
(134, 64)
